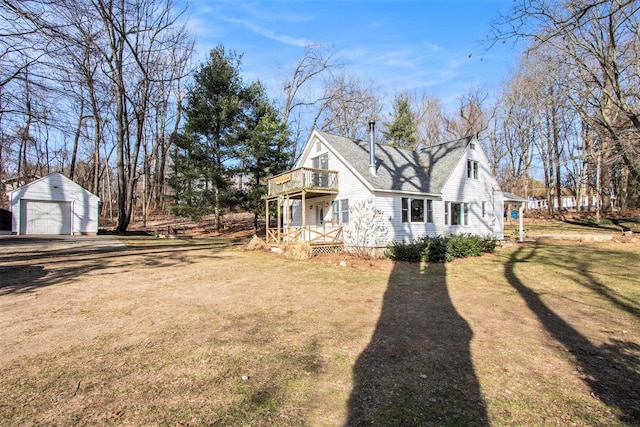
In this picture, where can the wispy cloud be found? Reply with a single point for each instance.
(408, 45)
(293, 41)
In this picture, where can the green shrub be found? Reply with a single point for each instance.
(403, 251)
(489, 244)
(440, 248)
(435, 249)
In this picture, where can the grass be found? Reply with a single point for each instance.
(200, 332)
(579, 226)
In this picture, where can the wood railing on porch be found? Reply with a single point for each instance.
(303, 178)
(312, 235)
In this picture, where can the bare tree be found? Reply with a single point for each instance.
(349, 103)
(135, 32)
(429, 115)
(472, 117)
(101, 76)
(304, 94)
(597, 43)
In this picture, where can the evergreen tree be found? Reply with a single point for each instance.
(185, 179)
(204, 161)
(266, 147)
(232, 131)
(401, 131)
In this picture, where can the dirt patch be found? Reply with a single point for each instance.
(232, 225)
(347, 260)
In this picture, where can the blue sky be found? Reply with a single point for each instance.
(414, 45)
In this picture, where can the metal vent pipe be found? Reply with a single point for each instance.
(372, 148)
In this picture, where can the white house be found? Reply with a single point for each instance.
(53, 205)
(568, 200)
(439, 190)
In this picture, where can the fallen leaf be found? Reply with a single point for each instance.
(115, 415)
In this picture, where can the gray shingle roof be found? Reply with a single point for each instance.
(509, 197)
(423, 171)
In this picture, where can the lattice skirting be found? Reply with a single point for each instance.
(317, 250)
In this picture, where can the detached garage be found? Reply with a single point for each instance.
(53, 205)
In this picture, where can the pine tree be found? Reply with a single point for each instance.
(401, 131)
(232, 131)
(266, 147)
(204, 162)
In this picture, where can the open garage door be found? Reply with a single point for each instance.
(40, 217)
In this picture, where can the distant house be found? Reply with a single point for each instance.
(53, 205)
(568, 200)
(440, 190)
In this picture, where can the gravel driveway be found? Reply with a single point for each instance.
(48, 243)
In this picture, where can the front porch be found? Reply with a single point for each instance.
(304, 184)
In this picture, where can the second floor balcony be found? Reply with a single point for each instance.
(314, 182)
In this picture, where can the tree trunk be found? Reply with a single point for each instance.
(76, 139)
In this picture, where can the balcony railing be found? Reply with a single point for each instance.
(304, 179)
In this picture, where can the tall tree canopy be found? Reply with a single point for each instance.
(82, 79)
(596, 43)
(231, 131)
(266, 147)
(401, 131)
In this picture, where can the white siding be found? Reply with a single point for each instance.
(461, 189)
(56, 188)
(458, 188)
(350, 187)
(406, 231)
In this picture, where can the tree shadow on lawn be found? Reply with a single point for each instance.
(417, 369)
(611, 370)
(31, 271)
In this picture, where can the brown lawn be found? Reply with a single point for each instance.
(201, 332)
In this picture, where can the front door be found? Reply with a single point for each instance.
(320, 214)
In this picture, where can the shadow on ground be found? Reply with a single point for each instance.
(612, 369)
(29, 270)
(417, 369)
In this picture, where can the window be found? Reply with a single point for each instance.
(429, 210)
(417, 210)
(413, 210)
(320, 162)
(465, 214)
(447, 208)
(456, 213)
(484, 209)
(472, 146)
(340, 211)
(405, 209)
(472, 169)
(320, 179)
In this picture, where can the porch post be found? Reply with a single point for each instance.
(288, 214)
(304, 214)
(279, 222)
(521, 222)
(266, 219)
(304, 210)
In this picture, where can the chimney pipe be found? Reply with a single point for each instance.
(372, 148)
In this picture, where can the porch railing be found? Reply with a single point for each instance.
(312, 235)
(303, 178)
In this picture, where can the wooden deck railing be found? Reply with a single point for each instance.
(314, 236)
(303, 178)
